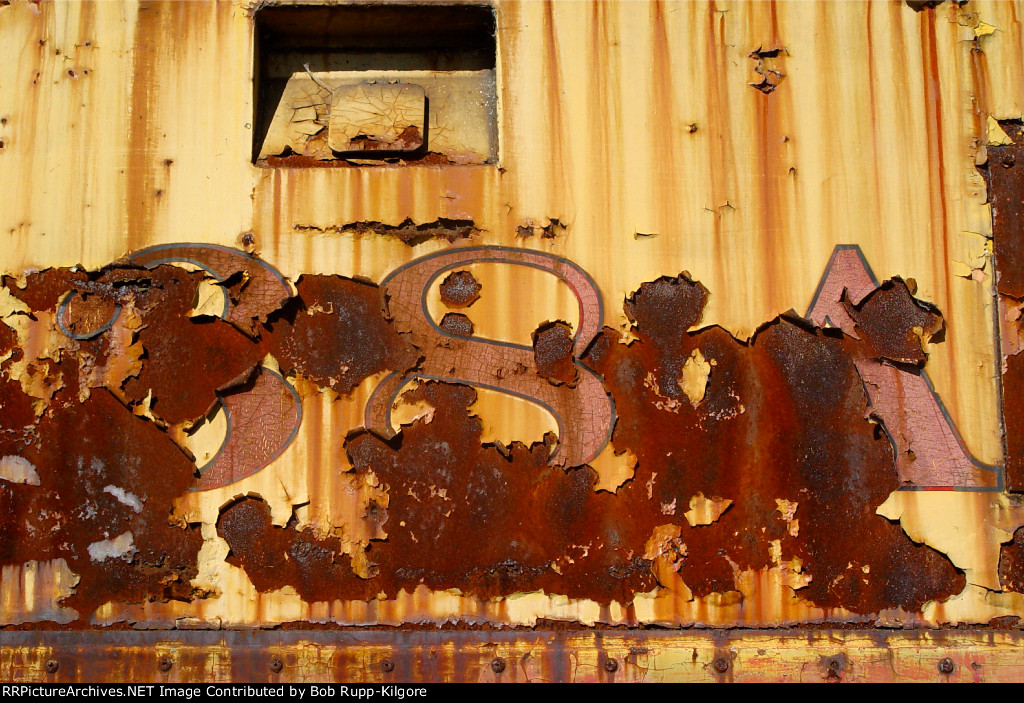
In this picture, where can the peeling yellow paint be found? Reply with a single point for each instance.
(665, 540)
(704, 511)
(507, 419)
(209, 300)
(996, 135)
(9, 305)
(694, 378)
(204, 439)
(971, 529)
(787, 510)
(983, 30)
(613, 469)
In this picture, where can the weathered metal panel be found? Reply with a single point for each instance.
(596, 656)
(565, 384)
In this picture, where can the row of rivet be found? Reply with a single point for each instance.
(720, 665)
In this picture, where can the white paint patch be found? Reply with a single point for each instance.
(18, 469)
(121, 547)
(129, 499)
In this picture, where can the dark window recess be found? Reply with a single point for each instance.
(360, 85)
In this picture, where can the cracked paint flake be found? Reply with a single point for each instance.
(386, 117)
(704, 511)
(694, 378)
(996, 135)
(787, 513)
(613, 468)
(340, 117)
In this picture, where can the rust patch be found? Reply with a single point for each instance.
(187, 359)
(273, 556)
(335, 335)
(460, 289)
(8, 339)
(1006, 191)
(408, 231)
(79, 451)
(893, 325)
(919, 5)
(430, 158)
(768, 68)
(888, 334)
(43, 290)
(495, 524)
(773, 423)
(409, 139)
(552, 229)
(552, 352)
(1011, 563)
(456, 323)
(782, 417)
(667, 308)
(17, 421)
(1013, 419)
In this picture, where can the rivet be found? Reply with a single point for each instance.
(52, 666)
(276, 665)
(165, 663)
(387, 665)
(946, 666)
(834, 666)
(498, 665)
(1008, 160)
(721, 665)
(611, 665)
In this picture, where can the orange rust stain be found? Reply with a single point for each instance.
(153, 23)
(934, 124)
(558, 135)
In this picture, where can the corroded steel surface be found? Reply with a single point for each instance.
(563, 382)
(928, 450)
(607, 656)
(777, 424)
(1006, 184)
